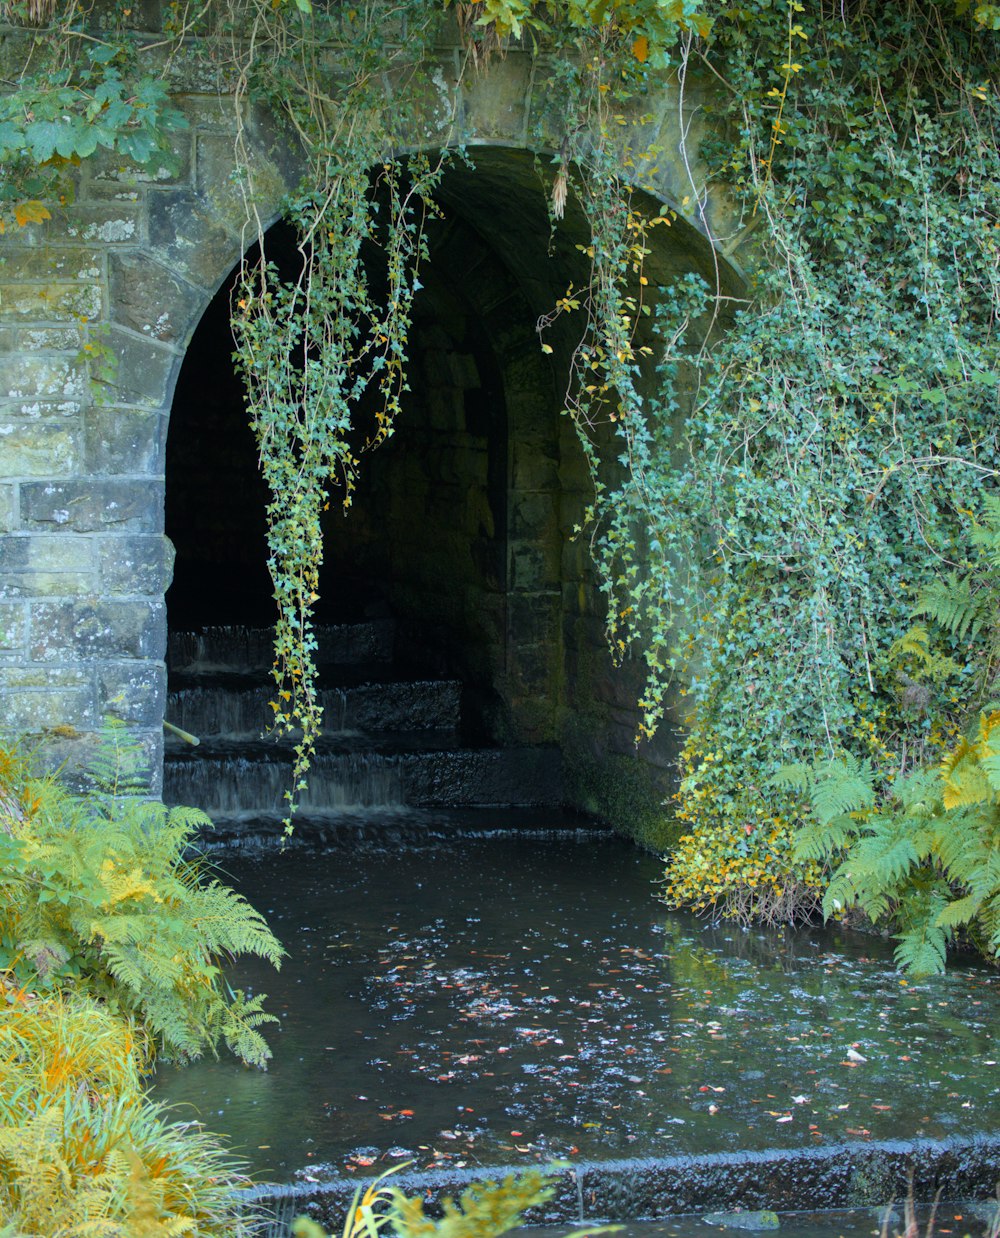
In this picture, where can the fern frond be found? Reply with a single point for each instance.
(922, 950)
(817, 840)
(798, 776)
(955, 605)
(958, 912)
(842, 786)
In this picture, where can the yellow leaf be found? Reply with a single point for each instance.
(640, 49)
(546, 348)
(31, 212)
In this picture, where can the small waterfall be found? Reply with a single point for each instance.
(241, 713)
(389, 745)
(247, 650)
(227, 786)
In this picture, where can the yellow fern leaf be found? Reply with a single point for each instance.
(122, 884)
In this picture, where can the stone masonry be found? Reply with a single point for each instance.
(97, 306)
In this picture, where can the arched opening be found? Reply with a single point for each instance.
(460, 535)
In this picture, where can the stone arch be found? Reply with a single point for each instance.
(131, 267)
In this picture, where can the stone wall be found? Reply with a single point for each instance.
(97, 307)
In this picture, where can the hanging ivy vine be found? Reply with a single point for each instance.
(310, 347)
(838, 434)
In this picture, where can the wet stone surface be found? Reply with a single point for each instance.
(948, 1219)
(514, 999)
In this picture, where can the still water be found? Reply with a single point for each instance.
(512, 999)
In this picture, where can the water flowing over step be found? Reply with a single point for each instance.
(241, 709)
(250, 650)
(390, 747)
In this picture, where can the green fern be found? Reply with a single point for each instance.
(83, 1152)
(956, 603)
(96, 892)
(926, 856)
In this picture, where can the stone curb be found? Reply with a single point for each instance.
(841, 1176)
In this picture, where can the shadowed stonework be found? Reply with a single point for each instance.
(463, 528)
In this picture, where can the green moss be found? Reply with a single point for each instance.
(623, 790)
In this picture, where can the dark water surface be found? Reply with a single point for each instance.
(518, 998)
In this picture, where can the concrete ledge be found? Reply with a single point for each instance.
(839, 1176)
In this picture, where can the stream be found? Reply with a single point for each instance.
(511, 998)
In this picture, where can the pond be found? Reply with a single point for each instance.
(514, 998)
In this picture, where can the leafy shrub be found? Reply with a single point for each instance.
(96, 894)
(925, 858)
(744, 869)
(81, 1149)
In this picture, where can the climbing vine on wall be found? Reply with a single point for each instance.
(844, 427)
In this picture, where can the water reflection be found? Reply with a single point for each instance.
(512, 999)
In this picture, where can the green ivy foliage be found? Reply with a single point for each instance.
(314, 347)
(774, 526)
(921, 851)
(77, 93)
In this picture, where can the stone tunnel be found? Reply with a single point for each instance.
(129, 496)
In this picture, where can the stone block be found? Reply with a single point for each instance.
(43, 565)
(207, 113)
(186, 235)
(135, 566)
(533, 514)
(147, 298)
(438, 114)
(495, 103)
(105, 223)
(52, 302)
(135, 692)
(123, 440)
(227, 190)
(110, 191)
(8, 508)
(47, 339)
(166, 168)
(13, 626)
(16, 678)
(142, 370)
(44, 449)
(534, 470)
(53, 264)
(93, 504)
(38, 410)
(94, 630)
(534, 566)
(27, 376)
(28, 711)
(534, 619)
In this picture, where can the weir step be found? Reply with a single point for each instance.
(214, 649)
(214, 708)
(344, 781)
(388, 745)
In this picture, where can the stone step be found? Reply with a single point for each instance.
(390, 827)
(224, 784)
(251, 650)
(209, 709)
